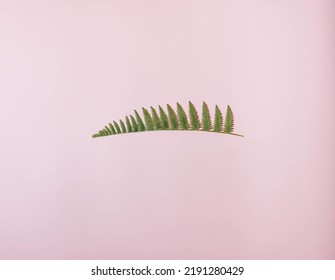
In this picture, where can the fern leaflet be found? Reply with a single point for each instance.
(140, 124)
(182, 117)
(117, 128)
(206, 118)
(112, 128)
(155, 119)
(123, 127)
(194, 117)
(133, 124)
(148, 120)
(218, 120)
(164, 118)
(229, 121)
(129, 128)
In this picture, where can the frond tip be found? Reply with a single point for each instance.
(173, 120)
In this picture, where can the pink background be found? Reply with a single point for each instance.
(69, 67)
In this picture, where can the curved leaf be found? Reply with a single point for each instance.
(173, 120)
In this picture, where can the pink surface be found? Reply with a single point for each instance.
(69, 67)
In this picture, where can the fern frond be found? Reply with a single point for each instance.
(148, 120)
(173, 120)
(133, 124)
(123, 127)
(164, 118)
(206, 118)
(129, 128)
(117, 128)
(140, 124)
(218, 120)
(229, 121)
(155, 119)
(184, 125)
(194, 117)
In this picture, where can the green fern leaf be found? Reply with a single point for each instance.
(229, 121)
(148, 120)
(194, 117)
(174, 125)
(164, 118)
(184, 125)
(112, 128)
(123, 127)
(129, 128)
(117, 128)
(173, 120)
(140, 124)
(218, 120)
(155, 119)
(133, 124)
(206, 118)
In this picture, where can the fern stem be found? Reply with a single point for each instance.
(201, 130)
